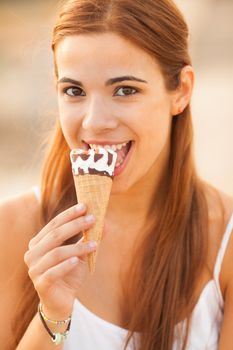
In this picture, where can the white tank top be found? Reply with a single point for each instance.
(88, 331)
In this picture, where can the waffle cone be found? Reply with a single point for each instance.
(94, 190)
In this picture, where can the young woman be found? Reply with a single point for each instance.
(164, 277)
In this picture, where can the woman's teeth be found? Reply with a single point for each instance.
(121, 149)
(119, 162)
(113, 147)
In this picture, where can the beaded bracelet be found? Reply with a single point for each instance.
(56, 337)
(52, 321)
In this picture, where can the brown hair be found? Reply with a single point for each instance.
(172, 255)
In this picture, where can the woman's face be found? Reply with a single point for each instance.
(112, 92)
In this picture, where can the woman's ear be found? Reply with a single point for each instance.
(182, 95)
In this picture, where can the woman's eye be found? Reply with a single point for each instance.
(73, 91)
(127, 91)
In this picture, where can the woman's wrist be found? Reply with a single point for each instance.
(55, 318)
(57, 329)
(58, 315)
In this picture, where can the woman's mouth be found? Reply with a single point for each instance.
(122, 150)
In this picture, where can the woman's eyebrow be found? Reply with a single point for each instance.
(124, 78)
(108, 82)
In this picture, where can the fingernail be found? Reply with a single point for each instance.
(73, 260)
(89, 218)
(92, 244)
(81, 206)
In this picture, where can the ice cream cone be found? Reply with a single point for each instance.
(94, 191)
(93, 177)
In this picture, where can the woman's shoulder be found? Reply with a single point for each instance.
(220, 203)
(226, 275)
(220, 206)
(20, 211)
(19, 222)
(220, 210)
(19, 219)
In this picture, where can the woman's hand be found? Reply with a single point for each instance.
(58, 270)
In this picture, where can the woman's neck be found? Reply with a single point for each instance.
(137, 208)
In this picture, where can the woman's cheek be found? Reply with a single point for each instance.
(70, 125)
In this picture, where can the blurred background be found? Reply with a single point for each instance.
(28, 100)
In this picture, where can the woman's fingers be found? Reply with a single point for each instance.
(64, 217)
(57, 237)
(55, 273)
(60, 254)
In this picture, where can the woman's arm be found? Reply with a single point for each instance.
(226, 336)
(18, 224)
(36, 337)
(55, 269)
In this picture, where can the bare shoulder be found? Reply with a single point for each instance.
(26, 203)
(219, 202)
(220, 209)
(19, 222)
(227, 265)
(220, 206)
(226, 273)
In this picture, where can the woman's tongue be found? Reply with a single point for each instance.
(120, 156)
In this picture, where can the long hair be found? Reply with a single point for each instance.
(168, 262)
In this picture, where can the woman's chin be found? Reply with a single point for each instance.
(119, 187)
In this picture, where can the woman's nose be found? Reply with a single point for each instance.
(98, 117)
